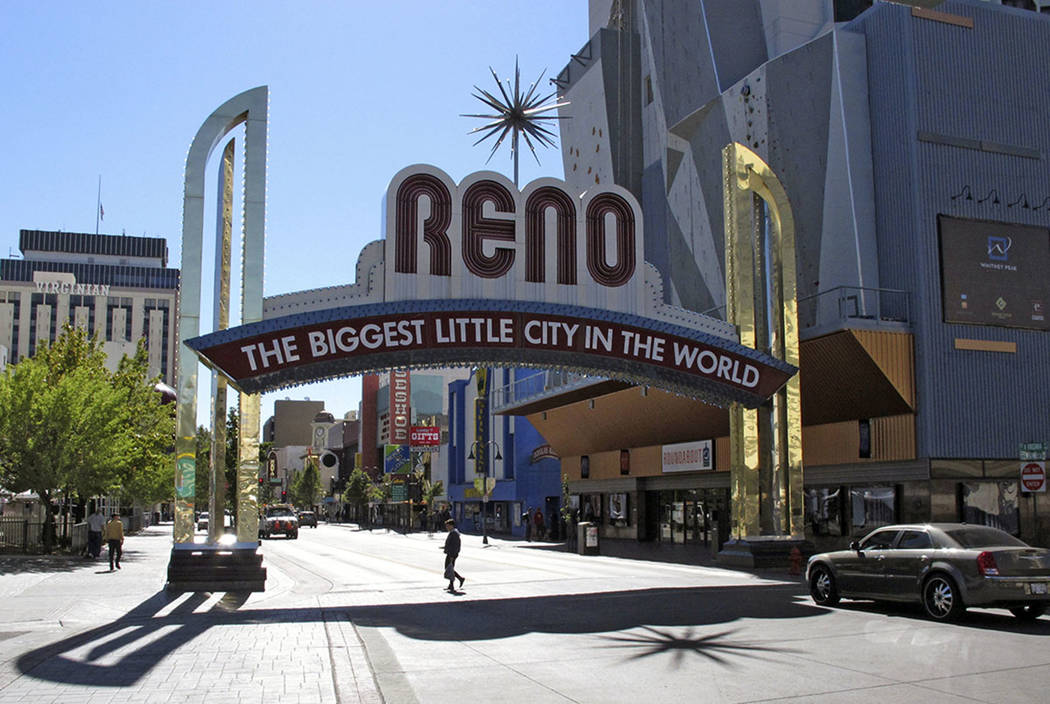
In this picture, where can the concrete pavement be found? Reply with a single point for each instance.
(71, 631)
(534, 626)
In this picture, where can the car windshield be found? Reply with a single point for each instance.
(983, 537)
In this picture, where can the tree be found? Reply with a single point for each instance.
(203, 445)
(429, 492)
(202, 482)
(147, 473)
(306, 486)
(62, 425)
(358, 490)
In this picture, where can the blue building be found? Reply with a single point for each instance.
(527, 473)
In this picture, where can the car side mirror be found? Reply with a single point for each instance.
(854, 546)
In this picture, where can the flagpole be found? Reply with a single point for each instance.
(98, 203)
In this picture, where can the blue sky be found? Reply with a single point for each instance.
(358, 90)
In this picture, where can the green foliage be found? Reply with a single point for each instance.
(430, 491)
(383, 489)
(70, 425)
(306, 486)
(203, 443)
(202, 483)
(358, 488)
(148, 472)
(566, 506)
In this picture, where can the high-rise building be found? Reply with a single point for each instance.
(907, 137)
(116, 287)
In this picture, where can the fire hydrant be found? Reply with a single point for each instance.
(796, 561)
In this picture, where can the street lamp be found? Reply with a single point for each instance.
(485, 486)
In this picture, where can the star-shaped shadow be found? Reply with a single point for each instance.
(714, 646)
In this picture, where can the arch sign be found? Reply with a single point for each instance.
(479, 273)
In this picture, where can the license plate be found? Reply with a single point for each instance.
(1038, 587)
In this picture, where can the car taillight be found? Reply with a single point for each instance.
(986, 565)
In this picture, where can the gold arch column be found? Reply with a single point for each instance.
(205, 567)
(765, 443)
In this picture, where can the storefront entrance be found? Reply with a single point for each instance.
(698, 517)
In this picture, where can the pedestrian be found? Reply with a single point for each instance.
(537, 518)
(452, 544)
(114, 536)
(95, 523)
(526, 518)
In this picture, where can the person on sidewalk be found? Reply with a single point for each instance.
(114, 537)
(95, 523)
(452, 545)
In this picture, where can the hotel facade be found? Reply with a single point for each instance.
(115, 287)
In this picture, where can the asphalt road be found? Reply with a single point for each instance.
(352, 616)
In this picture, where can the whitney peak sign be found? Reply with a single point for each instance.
(481, 274)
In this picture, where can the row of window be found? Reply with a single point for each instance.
(854, 511)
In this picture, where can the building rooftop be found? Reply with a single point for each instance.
(103, 245)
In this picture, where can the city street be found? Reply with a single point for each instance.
(352, 615)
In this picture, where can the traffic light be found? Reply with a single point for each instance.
(284, 495)
(260, 481)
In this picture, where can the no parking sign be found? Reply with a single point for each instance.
(1033, 476)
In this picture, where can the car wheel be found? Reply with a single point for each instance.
(822, 586)
(293, 536)
(941, 599)
(1029, 612)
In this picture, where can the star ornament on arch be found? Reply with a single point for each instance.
(517, 112)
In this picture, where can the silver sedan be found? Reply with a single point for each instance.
(947, 567)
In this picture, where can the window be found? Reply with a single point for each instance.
(824, 511)
(585, 467)
(882, 540)
(983, 537)
(915, 540)
(871, 507)
(618, 515)
(992, 504)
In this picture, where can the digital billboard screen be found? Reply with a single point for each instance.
(995, 273)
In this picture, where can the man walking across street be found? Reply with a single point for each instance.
(95, 523)
(114, 537)
(452, 544)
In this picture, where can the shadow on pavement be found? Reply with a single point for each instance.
(119, 654)
(17, 564)
(985, 619)
(645, 622)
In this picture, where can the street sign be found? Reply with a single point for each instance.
(425, 435)
(1033, 476)
(1032, 451)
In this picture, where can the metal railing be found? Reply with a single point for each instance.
(854, 304)
(538, 386)
(23, 535)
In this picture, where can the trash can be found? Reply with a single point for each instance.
(587, 538)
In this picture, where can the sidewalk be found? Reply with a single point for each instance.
(72, 632)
